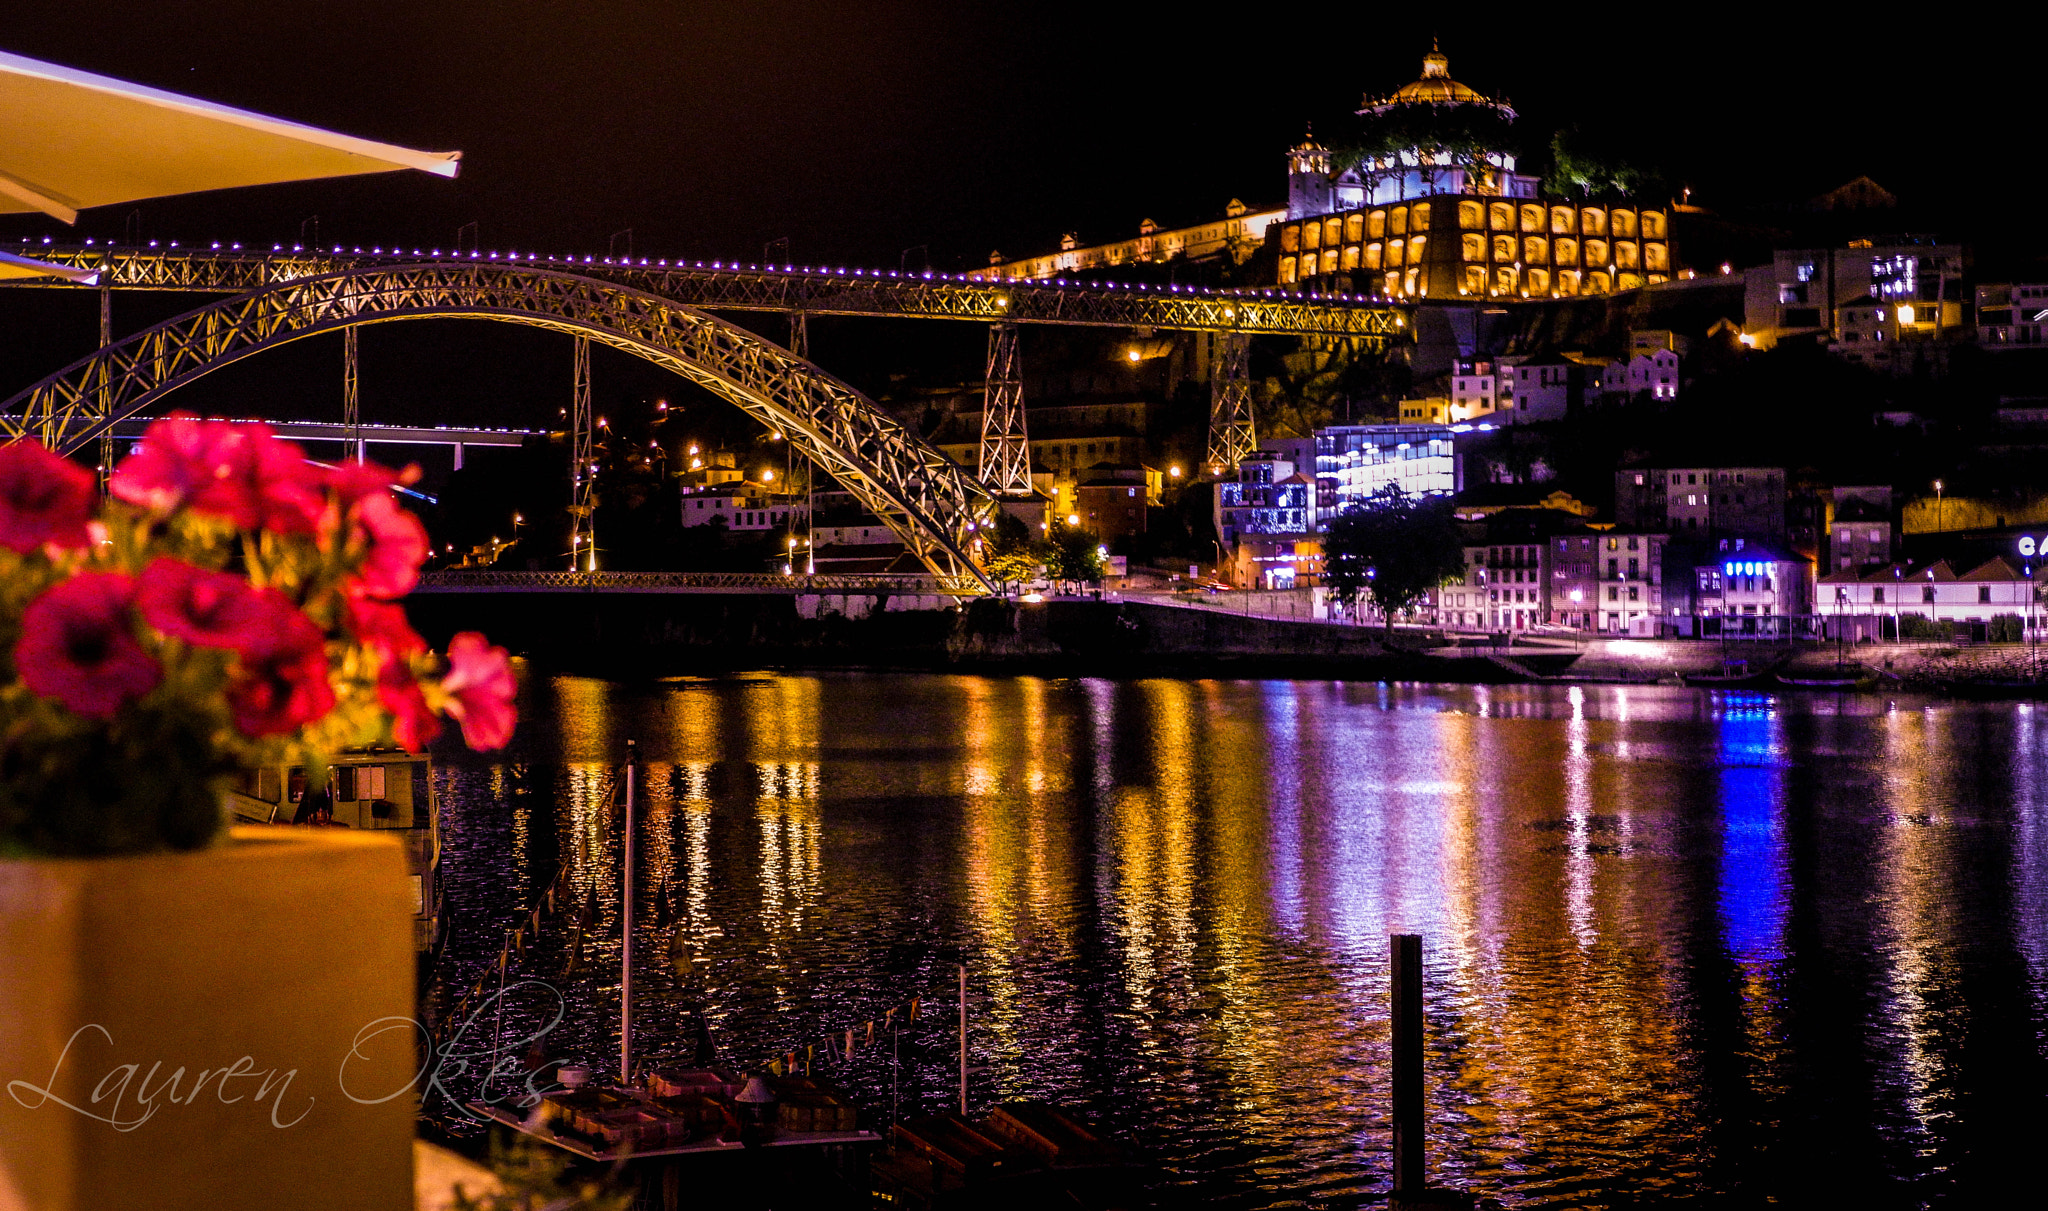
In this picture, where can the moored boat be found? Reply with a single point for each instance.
(1852, 678)
(382, 790)
(1732, 675)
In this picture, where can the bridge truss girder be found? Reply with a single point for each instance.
(927, 499)
(813, 292)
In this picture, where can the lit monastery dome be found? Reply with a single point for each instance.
(1435, 88)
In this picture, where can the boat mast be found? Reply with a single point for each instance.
(626, 931)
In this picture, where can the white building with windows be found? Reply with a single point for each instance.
(740, 505)
(1749, 583)
(1654, 373)
(1935, 592)
(2012, 316)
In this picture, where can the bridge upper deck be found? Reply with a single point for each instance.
(722, 287)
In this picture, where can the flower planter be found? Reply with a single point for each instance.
(202, 1030)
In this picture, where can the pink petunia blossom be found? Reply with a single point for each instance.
(213, 609)
(480, 690)
(283, 686)
(413, 723)
(352, 481)
(235, 470)
(395, 545)
(180, 454)
(382, 627)
(44, 499)
(270, 486)
(78, 645)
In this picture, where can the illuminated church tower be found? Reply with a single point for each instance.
(1310, 189)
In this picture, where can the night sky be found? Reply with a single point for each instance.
(859, 130)
(862, 130)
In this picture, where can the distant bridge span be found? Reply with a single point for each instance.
(731, 287)
(925, 497)
(654, 308)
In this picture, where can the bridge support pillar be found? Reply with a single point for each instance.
(1230, 405)
(351, 403)
(1005, 445)
(582, 468)
(106, 451)
(800, 335)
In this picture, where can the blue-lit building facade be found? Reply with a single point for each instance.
(1269, 496)
(1270, 517)
(1354, 461)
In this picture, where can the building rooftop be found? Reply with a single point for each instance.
(1434, 88)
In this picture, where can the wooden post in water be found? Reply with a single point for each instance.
(626, 931)
(1407, 1023)
(963, 1040)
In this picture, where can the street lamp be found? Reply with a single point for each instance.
(1937, 506)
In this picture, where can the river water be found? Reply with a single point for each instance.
(1680, 946)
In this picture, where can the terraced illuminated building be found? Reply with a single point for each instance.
(1430, 206)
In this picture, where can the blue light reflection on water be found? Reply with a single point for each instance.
(1752, 795)
(1678, 943)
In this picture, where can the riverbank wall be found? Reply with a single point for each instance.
(667, 634)
(674, 633)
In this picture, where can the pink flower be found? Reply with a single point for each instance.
(213, 609)
(180, 455)
(43, 499)
(352, 481)
(267, 486)
(282, 685)
(480, 690)
(230, 469)
(382, 627)
(413, 723)
(78, 645)
(395, 547)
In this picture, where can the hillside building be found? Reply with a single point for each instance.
(1755, 587)
(1701, 502)
(1857, 297)
(2012, 315)
(1236, 235)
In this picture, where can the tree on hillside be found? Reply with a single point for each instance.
(1015, 568)
(1009, 534)
(1592, 166)
(1296, 394)
(1074, 555)
(1394, 549)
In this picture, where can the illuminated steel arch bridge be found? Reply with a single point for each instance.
(657, 310)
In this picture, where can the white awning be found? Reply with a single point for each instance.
(12, 266)
(70, 140)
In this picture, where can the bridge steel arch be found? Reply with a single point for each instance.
(926, 498)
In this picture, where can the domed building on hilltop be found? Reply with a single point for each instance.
(1430, 137)
(1428, 205)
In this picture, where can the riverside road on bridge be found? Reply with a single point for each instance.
(660, 311)
(835, 584)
